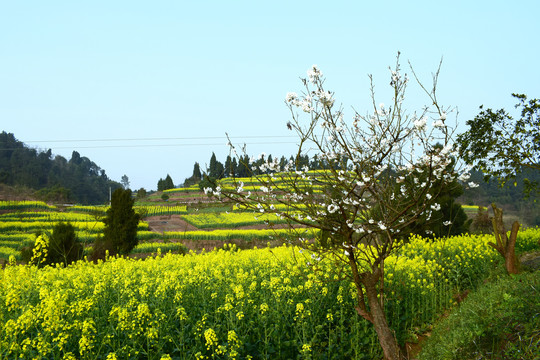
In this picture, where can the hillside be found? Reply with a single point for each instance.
(53, 178)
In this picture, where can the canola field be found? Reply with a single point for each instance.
(272, 303)
(228, 304)
(20, 221)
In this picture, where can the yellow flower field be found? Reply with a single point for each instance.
(265, 303)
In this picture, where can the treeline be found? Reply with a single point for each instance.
(511, 196)
(54, 177)
(490, 189)
(246, 166)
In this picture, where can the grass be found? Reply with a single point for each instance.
(500, 320)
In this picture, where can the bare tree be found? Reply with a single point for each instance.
(382, 172)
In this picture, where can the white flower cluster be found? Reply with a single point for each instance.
(306, 102)
(314, 74)
(420, 124)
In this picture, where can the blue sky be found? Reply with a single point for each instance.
(185, 73)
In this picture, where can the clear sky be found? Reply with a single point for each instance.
(186, 72)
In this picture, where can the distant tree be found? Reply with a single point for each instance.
(212, 166)
(121, 223)
(125, 182)
(165, 184)
(228, 166)
(169, 184)
(141, 193)
(234, 167)
(282, 163)
(243, 166)
(216, 168)
(502, 146)
(196, 171)
(231, 166)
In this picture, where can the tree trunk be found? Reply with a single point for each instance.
(384, 333)
(504, 245)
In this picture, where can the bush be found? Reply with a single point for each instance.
(61, 247)
(482, 222)
(101, 248)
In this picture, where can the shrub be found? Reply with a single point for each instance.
(482, 222)
(61, 247)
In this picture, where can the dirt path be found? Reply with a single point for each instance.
(168, 223)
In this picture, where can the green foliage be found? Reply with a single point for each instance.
(208, 182)
(121, 223)
(165, 184)
(78, 179)
(195, 177)
(445, 217)
(61, 247)
(216, 169)
(141, 193)
(502, 146)
(125, 181)
(500, 320)
(481, 223)
(54, 193)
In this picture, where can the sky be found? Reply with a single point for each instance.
(148, 88)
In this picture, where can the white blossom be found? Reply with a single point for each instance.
(436, 207)
(472, 185)
(447, 223)
(240, 187)
(420, 124)
(439, 124)
(326, 98)
(314, 73)
(291, 97)
(332, 208)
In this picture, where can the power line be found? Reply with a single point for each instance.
(163, 145)
(164, 138)
(153, 145)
